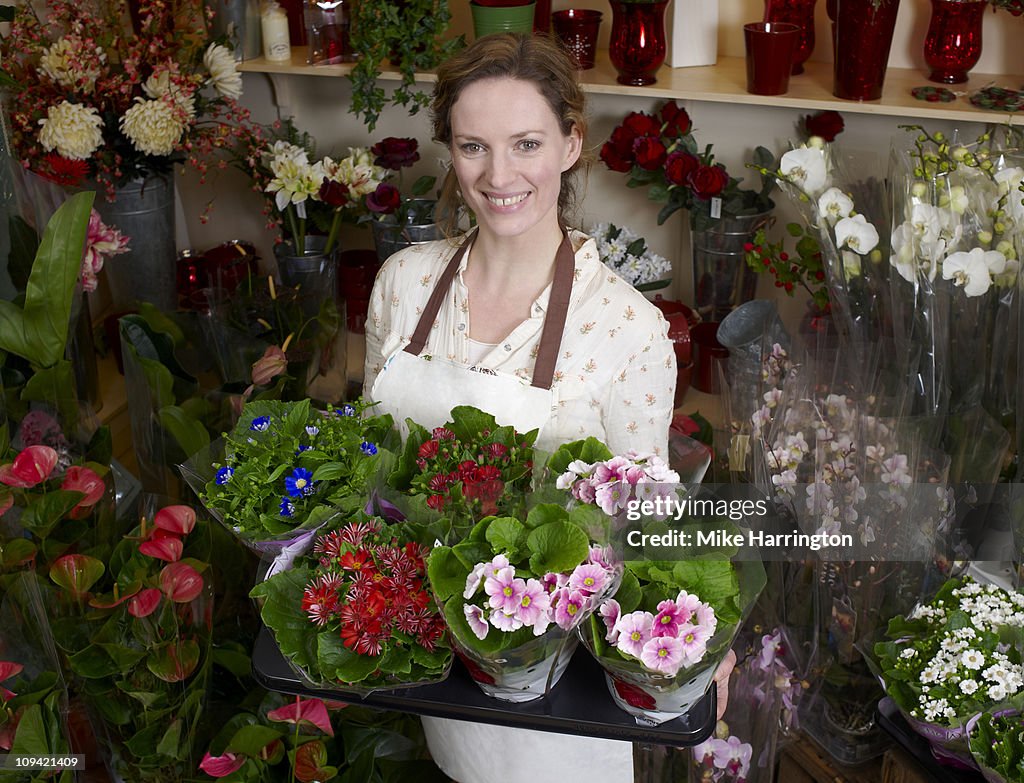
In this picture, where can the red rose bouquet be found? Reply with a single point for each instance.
(395, 155)
(660, 151)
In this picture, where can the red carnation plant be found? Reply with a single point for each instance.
(468, 469)
(368, 607)
(659, 151)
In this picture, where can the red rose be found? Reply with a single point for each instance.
(827, 124)
(385, 199)
(708, 182)
(617, 152)
(334, 194)
(640, 124)
(394, 153)
(679, 166)
(675, 118)
(650, 153)
(633, 696)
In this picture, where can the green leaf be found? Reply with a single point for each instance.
(557, 547)
(423, 184)
(7, 13)
(15, 552)
(30, 736)
(282, 613)
(38, 332)
(329, 471)
(170, 742)
(189, 433)
(338, 662)
(446, 572)
(93, 663)
(55, 385)
(250, 740)
(506, 534)
(628, 594)
(174, 661)
(544, 514)
(468, 421)
(24, 245)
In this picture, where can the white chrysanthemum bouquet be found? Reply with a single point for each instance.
(117, 91)
(627, 253)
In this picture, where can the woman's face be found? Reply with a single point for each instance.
(509, 154)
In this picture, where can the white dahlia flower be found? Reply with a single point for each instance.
(224, 75)
(153, 127)
(71, 129)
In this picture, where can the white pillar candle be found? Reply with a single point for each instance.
(276, 43)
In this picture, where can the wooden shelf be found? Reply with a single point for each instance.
(726, 83)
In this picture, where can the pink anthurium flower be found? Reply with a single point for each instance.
(86, 481)
(7, 670)
(32, 466)
(145, 602)
(181, 582)
(77, 573)
(176, 519)
(166, 548)
(221, 766)
(269, 366)
(120, 594)
(312, 711)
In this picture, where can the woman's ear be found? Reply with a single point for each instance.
(573, 147)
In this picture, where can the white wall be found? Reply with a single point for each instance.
(320, 107)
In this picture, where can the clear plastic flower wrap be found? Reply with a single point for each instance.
(351, 608)
(288, 468)
(513, 592)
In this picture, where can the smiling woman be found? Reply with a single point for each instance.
(519, 318)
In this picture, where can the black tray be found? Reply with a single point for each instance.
(578, 704)
(890, 719)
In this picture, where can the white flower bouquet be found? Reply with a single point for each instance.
(952, 658)
(627, 253)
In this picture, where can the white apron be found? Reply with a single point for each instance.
(425, 389)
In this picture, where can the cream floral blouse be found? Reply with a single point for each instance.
(615, 379)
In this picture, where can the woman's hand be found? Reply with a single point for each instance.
(722, 675)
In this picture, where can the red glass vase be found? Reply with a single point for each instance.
(800, 13)
(862, 31)
(953, 43)
(637, 44)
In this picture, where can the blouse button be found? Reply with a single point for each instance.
(508, 347)
(462, 327)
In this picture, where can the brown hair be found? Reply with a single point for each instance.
(531, 58)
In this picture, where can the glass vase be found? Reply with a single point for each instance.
(722, 280)
(953, 43)
(862, 33)
(637, 44)
(800, 13)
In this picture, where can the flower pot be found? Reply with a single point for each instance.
(721, 278)
(523, 673)
(953, 43)
(488, 19)
(638, 43)
(314, 274)
(143, 210)
(389, 237)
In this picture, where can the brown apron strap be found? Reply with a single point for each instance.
(558, 310)
(554, 322)
(444, 284)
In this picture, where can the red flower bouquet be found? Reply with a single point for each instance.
(370, 619)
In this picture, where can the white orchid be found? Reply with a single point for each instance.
(973, 271)
(851, 264)
(805, 168)
(834, 204)
(955, 199)
(904, 257)
(857, 234)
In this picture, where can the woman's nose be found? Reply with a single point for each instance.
(500, 170)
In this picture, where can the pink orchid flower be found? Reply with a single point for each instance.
(221, 766)
(31, 467)
(312, 711)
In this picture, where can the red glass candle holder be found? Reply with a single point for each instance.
(953, 43)
(862, 32)
(800, 13)
(770, 47)
(637, 44)
(577, 29)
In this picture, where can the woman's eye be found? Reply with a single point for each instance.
(470, 148)
(529, 145)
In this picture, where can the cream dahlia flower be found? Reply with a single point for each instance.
(224, 75)
(153, 127)
(165, 82)
(74, 131)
